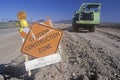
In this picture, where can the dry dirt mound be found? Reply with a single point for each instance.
(87, 60)
(82, 60)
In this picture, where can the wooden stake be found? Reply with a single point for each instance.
(60, 63)
(26, 59)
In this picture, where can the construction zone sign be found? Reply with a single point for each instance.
(41, 40)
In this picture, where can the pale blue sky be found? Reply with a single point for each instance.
(56, 9)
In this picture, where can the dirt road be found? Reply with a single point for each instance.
(85, 56)
(10, 44)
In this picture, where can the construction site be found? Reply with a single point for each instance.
(85, 48)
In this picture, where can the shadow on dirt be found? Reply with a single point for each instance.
(15, 71)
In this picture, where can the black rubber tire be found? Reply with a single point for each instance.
(91, 28)
(76, 28)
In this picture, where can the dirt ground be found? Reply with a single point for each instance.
(85, 56)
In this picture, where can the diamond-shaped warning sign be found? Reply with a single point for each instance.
(41, 40)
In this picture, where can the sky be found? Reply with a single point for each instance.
(56, 9)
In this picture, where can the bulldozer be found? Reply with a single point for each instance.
(87, 17)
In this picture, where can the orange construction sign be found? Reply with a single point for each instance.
(41, 40)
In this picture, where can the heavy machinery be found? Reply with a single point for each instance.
(87, 17)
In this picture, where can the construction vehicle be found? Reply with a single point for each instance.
(87, 17)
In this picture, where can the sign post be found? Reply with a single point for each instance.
(42, 42)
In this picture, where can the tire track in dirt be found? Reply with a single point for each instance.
(110, 34)
(102, 39)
